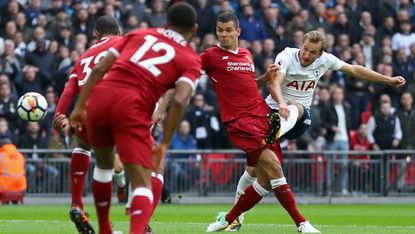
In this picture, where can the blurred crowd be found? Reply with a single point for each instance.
(41, 39)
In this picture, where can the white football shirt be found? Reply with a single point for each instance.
(300, 82)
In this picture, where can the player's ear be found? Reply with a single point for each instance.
(238, 31)
(97, 34)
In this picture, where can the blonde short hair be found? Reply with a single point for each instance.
(316, 37)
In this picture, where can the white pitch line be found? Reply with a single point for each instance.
(195, 223)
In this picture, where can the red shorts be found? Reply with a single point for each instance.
(116, 116)
(248, 134)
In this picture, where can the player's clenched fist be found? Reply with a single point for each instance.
(399, 81)
(59, 121)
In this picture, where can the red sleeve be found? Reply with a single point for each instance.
(205, 60)
(71, 88)
(119, 45)
(192, 73)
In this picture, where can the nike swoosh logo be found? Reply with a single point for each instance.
(137, 212)
(102, 204)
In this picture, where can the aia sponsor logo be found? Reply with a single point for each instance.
(302, 85)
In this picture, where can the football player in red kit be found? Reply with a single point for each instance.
(107, 31)
(141, 67)
(245, 114)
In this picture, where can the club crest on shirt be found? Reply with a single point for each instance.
(316, 73)
(249, 58)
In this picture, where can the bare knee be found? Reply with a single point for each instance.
(118, 166)
(300, 110)
(269, 166)
(251, 171)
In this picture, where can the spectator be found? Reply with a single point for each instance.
(358, 29)
(65, 37)
(388, 28)
(20, 45)
(5, 133)
(10, 12)
(31, 82)
(132, 23)
(21, 25)
(205, 18)
(38, 35)
(180, 170)
(199, 116)
(251, 28)
(337, 124)
(33, 11)
(384, 129)
(371, 51)
(406, 115)
(8, 106)
(271, 21)
(318, 17)
(341, 25)
(40, 175)
(400, 64)
(137, 8)
(10, 30)
(360, 164)
(403, 39)
(158, 14)
(42, 58)
(357, 93)
(11, 62)
(82, 24)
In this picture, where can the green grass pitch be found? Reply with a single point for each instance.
(265, 218)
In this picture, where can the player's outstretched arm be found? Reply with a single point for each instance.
(270, 72)
(71, 88)
(177, 110)
(163, 104)
(78, 114)
(275, 91)
(369, 75)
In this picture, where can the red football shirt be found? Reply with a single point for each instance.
(82, 69)
(234, 79)
(152, 61)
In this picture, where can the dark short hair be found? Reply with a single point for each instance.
(228, 16)
(107, 25)
(182, 15)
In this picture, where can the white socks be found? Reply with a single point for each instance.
(119, 179)
(243, 183)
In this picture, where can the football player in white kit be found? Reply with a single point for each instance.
(299, 72)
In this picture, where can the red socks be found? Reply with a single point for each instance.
(141, 209)
(102, 191)
(285, 196)
(156, 186)
(102, 197)
(245, 202)
(78, 169)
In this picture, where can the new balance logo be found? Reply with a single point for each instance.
(225, 57)
(137, 212)
(102, 204)
(79, 173)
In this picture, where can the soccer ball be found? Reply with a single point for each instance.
(32, 107)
